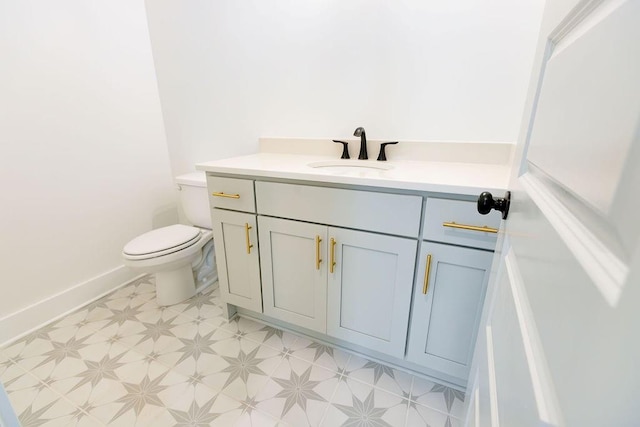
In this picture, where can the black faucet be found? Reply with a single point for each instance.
(363, 143)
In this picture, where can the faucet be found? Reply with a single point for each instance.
(363, 143)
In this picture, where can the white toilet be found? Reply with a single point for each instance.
(180, 256)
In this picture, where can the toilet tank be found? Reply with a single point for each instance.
(192, 188)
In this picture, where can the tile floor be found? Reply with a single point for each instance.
(125, 361)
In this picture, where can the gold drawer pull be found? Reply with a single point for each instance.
(247, 227)
(427, 270)
(230, 196)
(484, 228)
(332, 261)
(318, 260)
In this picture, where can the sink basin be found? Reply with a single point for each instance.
(352, 167)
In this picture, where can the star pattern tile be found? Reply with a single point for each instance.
(380, 375)
(195, 416)
(359, 404)
(360, 412)
(197, 346)
(96, 371)
(153, 331)
(62, 350)
(124, 360)
(139, 395)
(29, 417)
(297, 390)
(243, 365)
(438, 396)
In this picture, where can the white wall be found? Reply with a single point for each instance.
(83, 158)
(230, 71)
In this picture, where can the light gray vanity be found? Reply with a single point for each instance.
(397, 274)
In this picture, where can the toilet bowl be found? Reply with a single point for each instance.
(180, 256)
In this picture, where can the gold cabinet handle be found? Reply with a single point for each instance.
(318, 260)
(247, 227)
(332, 261)
(484, 228)
(230, 196)
(427, 270)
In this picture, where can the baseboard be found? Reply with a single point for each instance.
(24, 321)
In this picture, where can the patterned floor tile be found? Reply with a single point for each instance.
(379, 375)
(192, 349)
(76, 319)
(9, 370)
(84, 380)
(37, 405)
(105, 314)
(321, 354)
(254, 418)
(123, 360)
(422, 416)
(201, 306)
(137, 292)
(215, 295)
(120, 304)
(15, 378)
(275, 338)
(246, 368)
(298, 392)
(437, 396)
(151, 333)
(359, 404)
(198, 405)
(136, 398)
(189, 327)
(50, 345)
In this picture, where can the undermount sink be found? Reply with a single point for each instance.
(351, 167)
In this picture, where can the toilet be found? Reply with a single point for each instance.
(180, 256)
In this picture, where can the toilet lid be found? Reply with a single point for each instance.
(174, 237)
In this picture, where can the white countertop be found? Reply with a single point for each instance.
(444, 177)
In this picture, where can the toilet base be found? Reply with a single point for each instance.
(174, 286)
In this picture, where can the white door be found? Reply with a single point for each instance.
(559, 344)
(294, 271)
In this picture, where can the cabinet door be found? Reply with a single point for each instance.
(369, 290)
(446, 310)
(294, 271)
(236, 242)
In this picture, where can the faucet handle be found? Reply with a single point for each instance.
(382, 156)
(345, 149)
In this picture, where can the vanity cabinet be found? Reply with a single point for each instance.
(352, 285)
(344, 263)
(369, 290)
(235, 238)
(294, 273)
(235, 241)
(447, 306)
(451, 281)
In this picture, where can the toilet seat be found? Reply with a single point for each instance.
(162, 241)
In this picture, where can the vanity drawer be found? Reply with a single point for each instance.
(363, 210)
(231, 193)
(443, 215)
